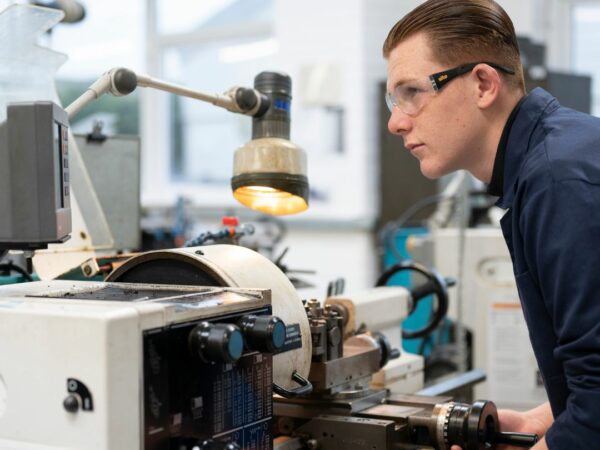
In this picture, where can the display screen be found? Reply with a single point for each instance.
(58, 166)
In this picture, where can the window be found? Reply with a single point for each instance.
(109, 36)
(203, 137)
(585, 39)
(211, 46)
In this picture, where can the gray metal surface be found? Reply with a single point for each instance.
(313, 406)
(184, 303)
(351, 433)
(455, 382)
(343, 373)
(114, 168)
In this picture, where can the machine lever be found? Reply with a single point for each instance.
(526, 440)
(305, 388)
(435, 284)
(423, 290)
(430, 287)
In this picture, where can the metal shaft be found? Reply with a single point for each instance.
(517, 439)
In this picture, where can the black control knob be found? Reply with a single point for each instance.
(71, 404)
(263, 333)
(216, 342)
(387, 352)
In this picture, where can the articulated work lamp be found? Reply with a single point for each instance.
(269, 172)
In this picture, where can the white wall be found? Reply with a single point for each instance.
(343, 253)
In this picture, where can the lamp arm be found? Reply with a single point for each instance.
(97, 89)
(224, 101)
(120, 81)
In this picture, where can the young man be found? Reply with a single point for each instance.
(457, 97)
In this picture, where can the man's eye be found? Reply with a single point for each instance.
(409, 92)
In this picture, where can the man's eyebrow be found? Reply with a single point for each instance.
(404, 81)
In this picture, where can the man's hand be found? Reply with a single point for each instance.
(536, 420)
(533, 421)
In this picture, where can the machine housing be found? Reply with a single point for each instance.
(35, 195)
(107, 366)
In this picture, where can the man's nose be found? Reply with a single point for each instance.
(399, 123)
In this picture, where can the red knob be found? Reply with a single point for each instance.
(230, 221)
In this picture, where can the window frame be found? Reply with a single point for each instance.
(158, 186)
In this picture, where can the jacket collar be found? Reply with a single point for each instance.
(519, 140)
(496, 186)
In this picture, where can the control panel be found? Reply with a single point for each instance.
(208, 385)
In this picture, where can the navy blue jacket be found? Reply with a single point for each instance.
(552, 191)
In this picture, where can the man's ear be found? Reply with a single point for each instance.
(487, 83)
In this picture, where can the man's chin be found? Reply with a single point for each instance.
(433, 173)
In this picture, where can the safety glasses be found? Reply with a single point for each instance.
(410, 97)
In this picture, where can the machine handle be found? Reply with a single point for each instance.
(526, 440)
(305, 388)
(429, 287)
(435, 284)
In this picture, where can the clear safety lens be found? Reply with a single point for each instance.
(409, 97)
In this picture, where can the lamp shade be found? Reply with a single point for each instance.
(269, 175)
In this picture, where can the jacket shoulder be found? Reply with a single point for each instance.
(566, 146)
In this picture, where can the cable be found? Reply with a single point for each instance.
(231, 233)
(14, 268)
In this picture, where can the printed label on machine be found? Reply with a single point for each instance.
(293, 338)
(248, 386)
(513, 370)
(256, 436)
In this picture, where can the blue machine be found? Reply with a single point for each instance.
(422, 314)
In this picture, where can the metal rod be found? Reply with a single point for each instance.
(216, 99)
(100, 87)
(517, 439)
(465, 379)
